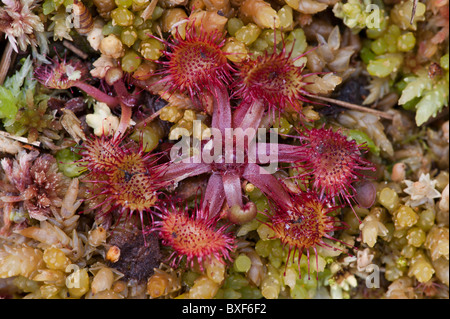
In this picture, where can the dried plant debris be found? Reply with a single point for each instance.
(113, 112)
(32, 187)
(133, 254)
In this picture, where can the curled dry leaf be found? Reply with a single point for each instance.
(72, 125)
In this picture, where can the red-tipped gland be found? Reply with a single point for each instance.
(100, 154)
(121, 177)
(196, 62)
(332, 163)
(194, 235)
(274, 79)
(304, 225)
(63, 75)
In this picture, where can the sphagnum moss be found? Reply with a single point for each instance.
(404, 232)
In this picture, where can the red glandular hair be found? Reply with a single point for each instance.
(61, 74)
(196, 63)
(332, 163)
(303, 225)
(121, 176)
(273, 78)
(193, 234)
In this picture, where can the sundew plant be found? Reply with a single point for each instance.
(224, 149)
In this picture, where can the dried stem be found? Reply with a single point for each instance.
(75, 50)
(6, 62)
(353, 106)
(20, 139)
(413, 13)
(147, 13)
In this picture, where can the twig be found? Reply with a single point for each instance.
(75, 50)
(149, 10)
(148, 119)
(20, 139)
(353, 106)
(413, 13)
(6, 61)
